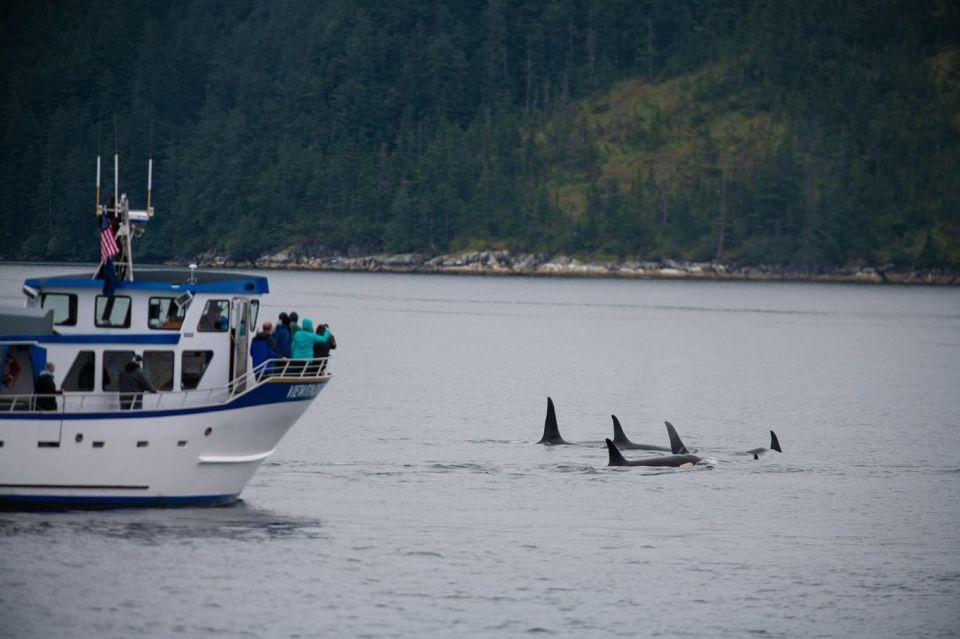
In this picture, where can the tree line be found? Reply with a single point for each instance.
(804, 133)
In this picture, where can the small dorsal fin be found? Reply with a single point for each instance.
(616, 459)
(756, 456)
(618, 435)
(675, 444)
(774, 442)
(551, 431)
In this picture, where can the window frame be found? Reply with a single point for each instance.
(96, 313)
(173, 302)
(71, 308)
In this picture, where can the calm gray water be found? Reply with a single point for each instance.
(412, 499)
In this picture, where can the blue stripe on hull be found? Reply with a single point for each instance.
(74, 502)
(271, 393)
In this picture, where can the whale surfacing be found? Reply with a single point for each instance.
(623, 443)
(680, 458)
(551, 432)
(774, 445)
(674, 461)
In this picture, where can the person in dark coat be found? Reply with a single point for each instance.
(263, 346)
(294, 326)
(282, 336)
(46, 388)
(133, 383)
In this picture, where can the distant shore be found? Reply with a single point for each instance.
(544, 265)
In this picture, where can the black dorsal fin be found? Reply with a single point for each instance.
(551, 432)
(675, 444)
(616, 459)
(756, 456)
(774, 442)
(618, 435)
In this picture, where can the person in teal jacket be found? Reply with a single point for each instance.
(304, 339)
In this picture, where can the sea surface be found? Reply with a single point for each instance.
(412, 499)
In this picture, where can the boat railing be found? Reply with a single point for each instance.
(94, 402)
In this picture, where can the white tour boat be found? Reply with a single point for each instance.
(196, 441)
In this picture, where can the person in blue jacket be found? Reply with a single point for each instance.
(304, 339)
(263, 346)
(282, 336)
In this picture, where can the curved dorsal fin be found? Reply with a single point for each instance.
(616, 459)
(774, 442)
(618, 435)
(675, 444)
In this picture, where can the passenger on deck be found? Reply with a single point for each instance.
(263, 346)
(304, 339)
(322, 349)
(45, 388)
(132, 384)
(282, 336)
(294, 327)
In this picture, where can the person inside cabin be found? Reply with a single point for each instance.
(263, 347)
(322, 349)
(45, 388)
(213, 319)
(10, 371)
(133, 383)
(281, 335)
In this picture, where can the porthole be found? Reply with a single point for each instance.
(182, 443)
(207, 432)
(78, 438)
(98, 444)
(142, 444)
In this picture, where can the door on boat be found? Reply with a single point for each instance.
(240, 333)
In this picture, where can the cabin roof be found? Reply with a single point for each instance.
(170, 280)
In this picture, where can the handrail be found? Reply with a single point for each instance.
(90, 402)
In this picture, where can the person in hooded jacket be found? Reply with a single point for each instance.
(304, 339)
(263, 346)
(282, 336)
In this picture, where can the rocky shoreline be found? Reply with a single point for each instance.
(527, 264)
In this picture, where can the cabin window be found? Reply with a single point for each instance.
(158, 367)
(216, 316)
(113, 363)
(113, 312)
(193, 365)
(82, 373)
(164, 314)
(64, 307)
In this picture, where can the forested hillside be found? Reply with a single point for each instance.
(803, 133)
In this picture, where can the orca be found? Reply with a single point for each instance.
(551, 432)
(675, 461)
(681, 457)
(774, 445)
(620, 439)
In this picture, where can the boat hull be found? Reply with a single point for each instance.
(175, 457)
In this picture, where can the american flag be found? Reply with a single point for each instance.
(108, 245)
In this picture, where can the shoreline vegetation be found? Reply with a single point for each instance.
(497, 262)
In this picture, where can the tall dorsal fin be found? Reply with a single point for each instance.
(616, 459)
(551, 432)
(618, 435)
(675, 444)
(774, 442)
